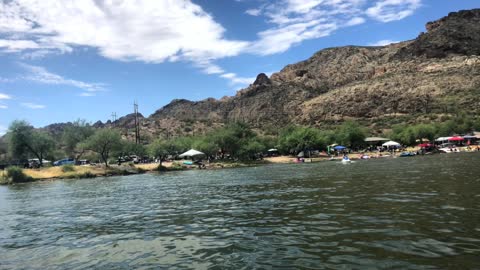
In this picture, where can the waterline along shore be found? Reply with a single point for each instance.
(92, 171)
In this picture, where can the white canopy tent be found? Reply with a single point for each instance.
(443, 139)
(376, 139)
(391, 144)
(192, 153)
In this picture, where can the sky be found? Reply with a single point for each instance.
(67, 60)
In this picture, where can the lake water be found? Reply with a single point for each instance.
(398, 213)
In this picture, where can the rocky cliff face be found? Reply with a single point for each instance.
(435, 74)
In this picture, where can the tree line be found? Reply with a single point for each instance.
(236, 141)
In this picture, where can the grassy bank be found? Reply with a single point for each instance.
(77, 172)
(71, 172)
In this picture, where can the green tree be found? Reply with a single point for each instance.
(251, 149)
(351, 134)
(294, 139)
(104, 142)
(73, 135)
(23, 140)
(181, 144)
(425, 131)
(206, 145)
(161, 149)
(131, 148)
(231, 137)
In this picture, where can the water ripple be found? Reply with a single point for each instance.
(383, 214)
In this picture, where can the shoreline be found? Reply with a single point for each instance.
(89, 171)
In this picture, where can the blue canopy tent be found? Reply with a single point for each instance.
(339, 147)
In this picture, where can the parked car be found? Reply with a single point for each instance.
(65, 161)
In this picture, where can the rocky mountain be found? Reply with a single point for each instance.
(434, 75)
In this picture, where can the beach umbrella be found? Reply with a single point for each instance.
(339, 147)
(192, 153)
(456, 139)
(391, 144)
(273, 150)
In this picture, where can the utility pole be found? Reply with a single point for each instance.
(137, 123)
(114, 118)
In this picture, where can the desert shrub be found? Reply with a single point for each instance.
(68, 168)
(87, 174)
(175, 167)
(16, 175)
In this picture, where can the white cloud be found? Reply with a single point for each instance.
(209, 68)
(5, 96)
(3, 107)
(383, 42)
(87, 94)
(159, 31)
(355, 21)
(302, 6)
(236, 80)
(143, 30)
(34, 106)
(280, 39)
(393, 10)
(254, 12)
(17, 45)
(295, 21)
(42, 75)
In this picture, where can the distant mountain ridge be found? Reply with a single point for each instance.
(434, 74)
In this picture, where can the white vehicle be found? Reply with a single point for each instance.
(449, 150)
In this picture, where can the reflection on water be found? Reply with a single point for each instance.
(404, 213)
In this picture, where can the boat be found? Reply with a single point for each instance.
(448, 150)
(407, 154)
(345, 159)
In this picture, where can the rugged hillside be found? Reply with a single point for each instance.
(434, 75)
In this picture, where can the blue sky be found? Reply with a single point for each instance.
(65, 60)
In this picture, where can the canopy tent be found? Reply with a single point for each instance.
(192, 153)
(376, 139)
(273, 150)
(470, 137)
(422, 140)
(442, 139)
(456, 139)
(391, 144)
(425, 145)
(339, 147)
